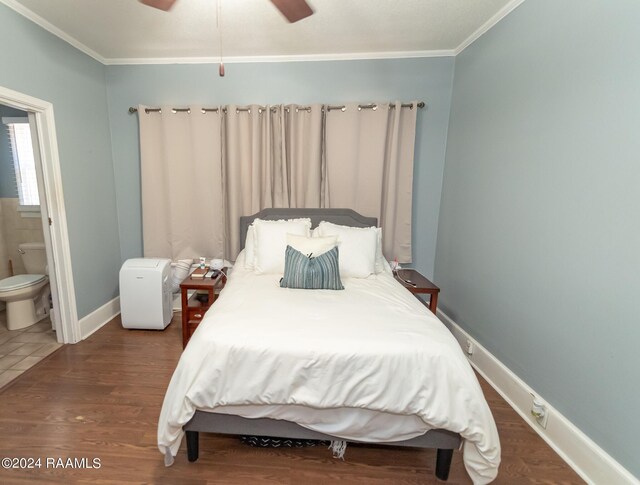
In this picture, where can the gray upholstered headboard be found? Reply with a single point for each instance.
(343, 217)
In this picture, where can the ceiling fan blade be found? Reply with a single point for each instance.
(159, 4)
(293, 10)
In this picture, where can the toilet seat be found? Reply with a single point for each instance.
(20, 281)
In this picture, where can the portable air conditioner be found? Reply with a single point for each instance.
(145, 293)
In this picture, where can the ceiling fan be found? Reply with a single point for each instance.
(293, 10)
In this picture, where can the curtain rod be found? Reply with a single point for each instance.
(372, 106)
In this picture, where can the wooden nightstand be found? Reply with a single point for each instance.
(423, 286)
(194, 308)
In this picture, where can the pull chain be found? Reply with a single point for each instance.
(219, 25)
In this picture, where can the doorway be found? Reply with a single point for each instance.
(50, 210)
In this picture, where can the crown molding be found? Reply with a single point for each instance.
(488, 25)
(293, 58)
(46, 25)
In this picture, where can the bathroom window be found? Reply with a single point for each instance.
(24, 164)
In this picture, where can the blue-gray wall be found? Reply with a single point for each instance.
(538, 251)
(299, 82)
(41, 65)
(8, 187)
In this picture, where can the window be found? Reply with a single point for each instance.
(23, 163)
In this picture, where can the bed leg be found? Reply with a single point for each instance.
(192, 445)
(443, 463)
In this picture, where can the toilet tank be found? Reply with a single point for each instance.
(34, 257)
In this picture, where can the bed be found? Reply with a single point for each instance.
(388, 369)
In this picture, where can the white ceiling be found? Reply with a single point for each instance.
(125, 31)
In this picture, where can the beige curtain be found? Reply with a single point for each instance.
(303, 154)
(181, 173)
(369, 168)
(272, 157)
(201, 171)
(252, 178)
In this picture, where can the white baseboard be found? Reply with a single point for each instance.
(589, 461)
(99, 317)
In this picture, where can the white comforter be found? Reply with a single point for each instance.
(372, 346)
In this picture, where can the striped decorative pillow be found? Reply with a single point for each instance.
(311, 273)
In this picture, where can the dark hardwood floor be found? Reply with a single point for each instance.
(101, 399)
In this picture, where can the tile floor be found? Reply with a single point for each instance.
(22, 349)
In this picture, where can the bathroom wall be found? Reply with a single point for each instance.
(8, 186)
(8, 195)
(14, 229)
(4, 266)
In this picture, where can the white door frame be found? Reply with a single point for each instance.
(68, 328)
(45, 217)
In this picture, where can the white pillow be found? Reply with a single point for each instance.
(312, 245)
(270, 238)
(358, 248)
(250, 243)
(382, 265)
(250, 249)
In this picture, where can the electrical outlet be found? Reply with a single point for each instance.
(469, 347)
(540, 412)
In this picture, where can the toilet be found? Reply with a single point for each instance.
(27, 295)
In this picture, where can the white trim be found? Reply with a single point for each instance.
(488, 25)
(48, 26)
(30, 214)
(68, 329)
(99, 317)
(28, 209)
(351, 56)
(589, 461)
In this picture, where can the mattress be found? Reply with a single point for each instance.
(369, 363)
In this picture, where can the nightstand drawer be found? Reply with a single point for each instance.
(191, 327)
(195, 313)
